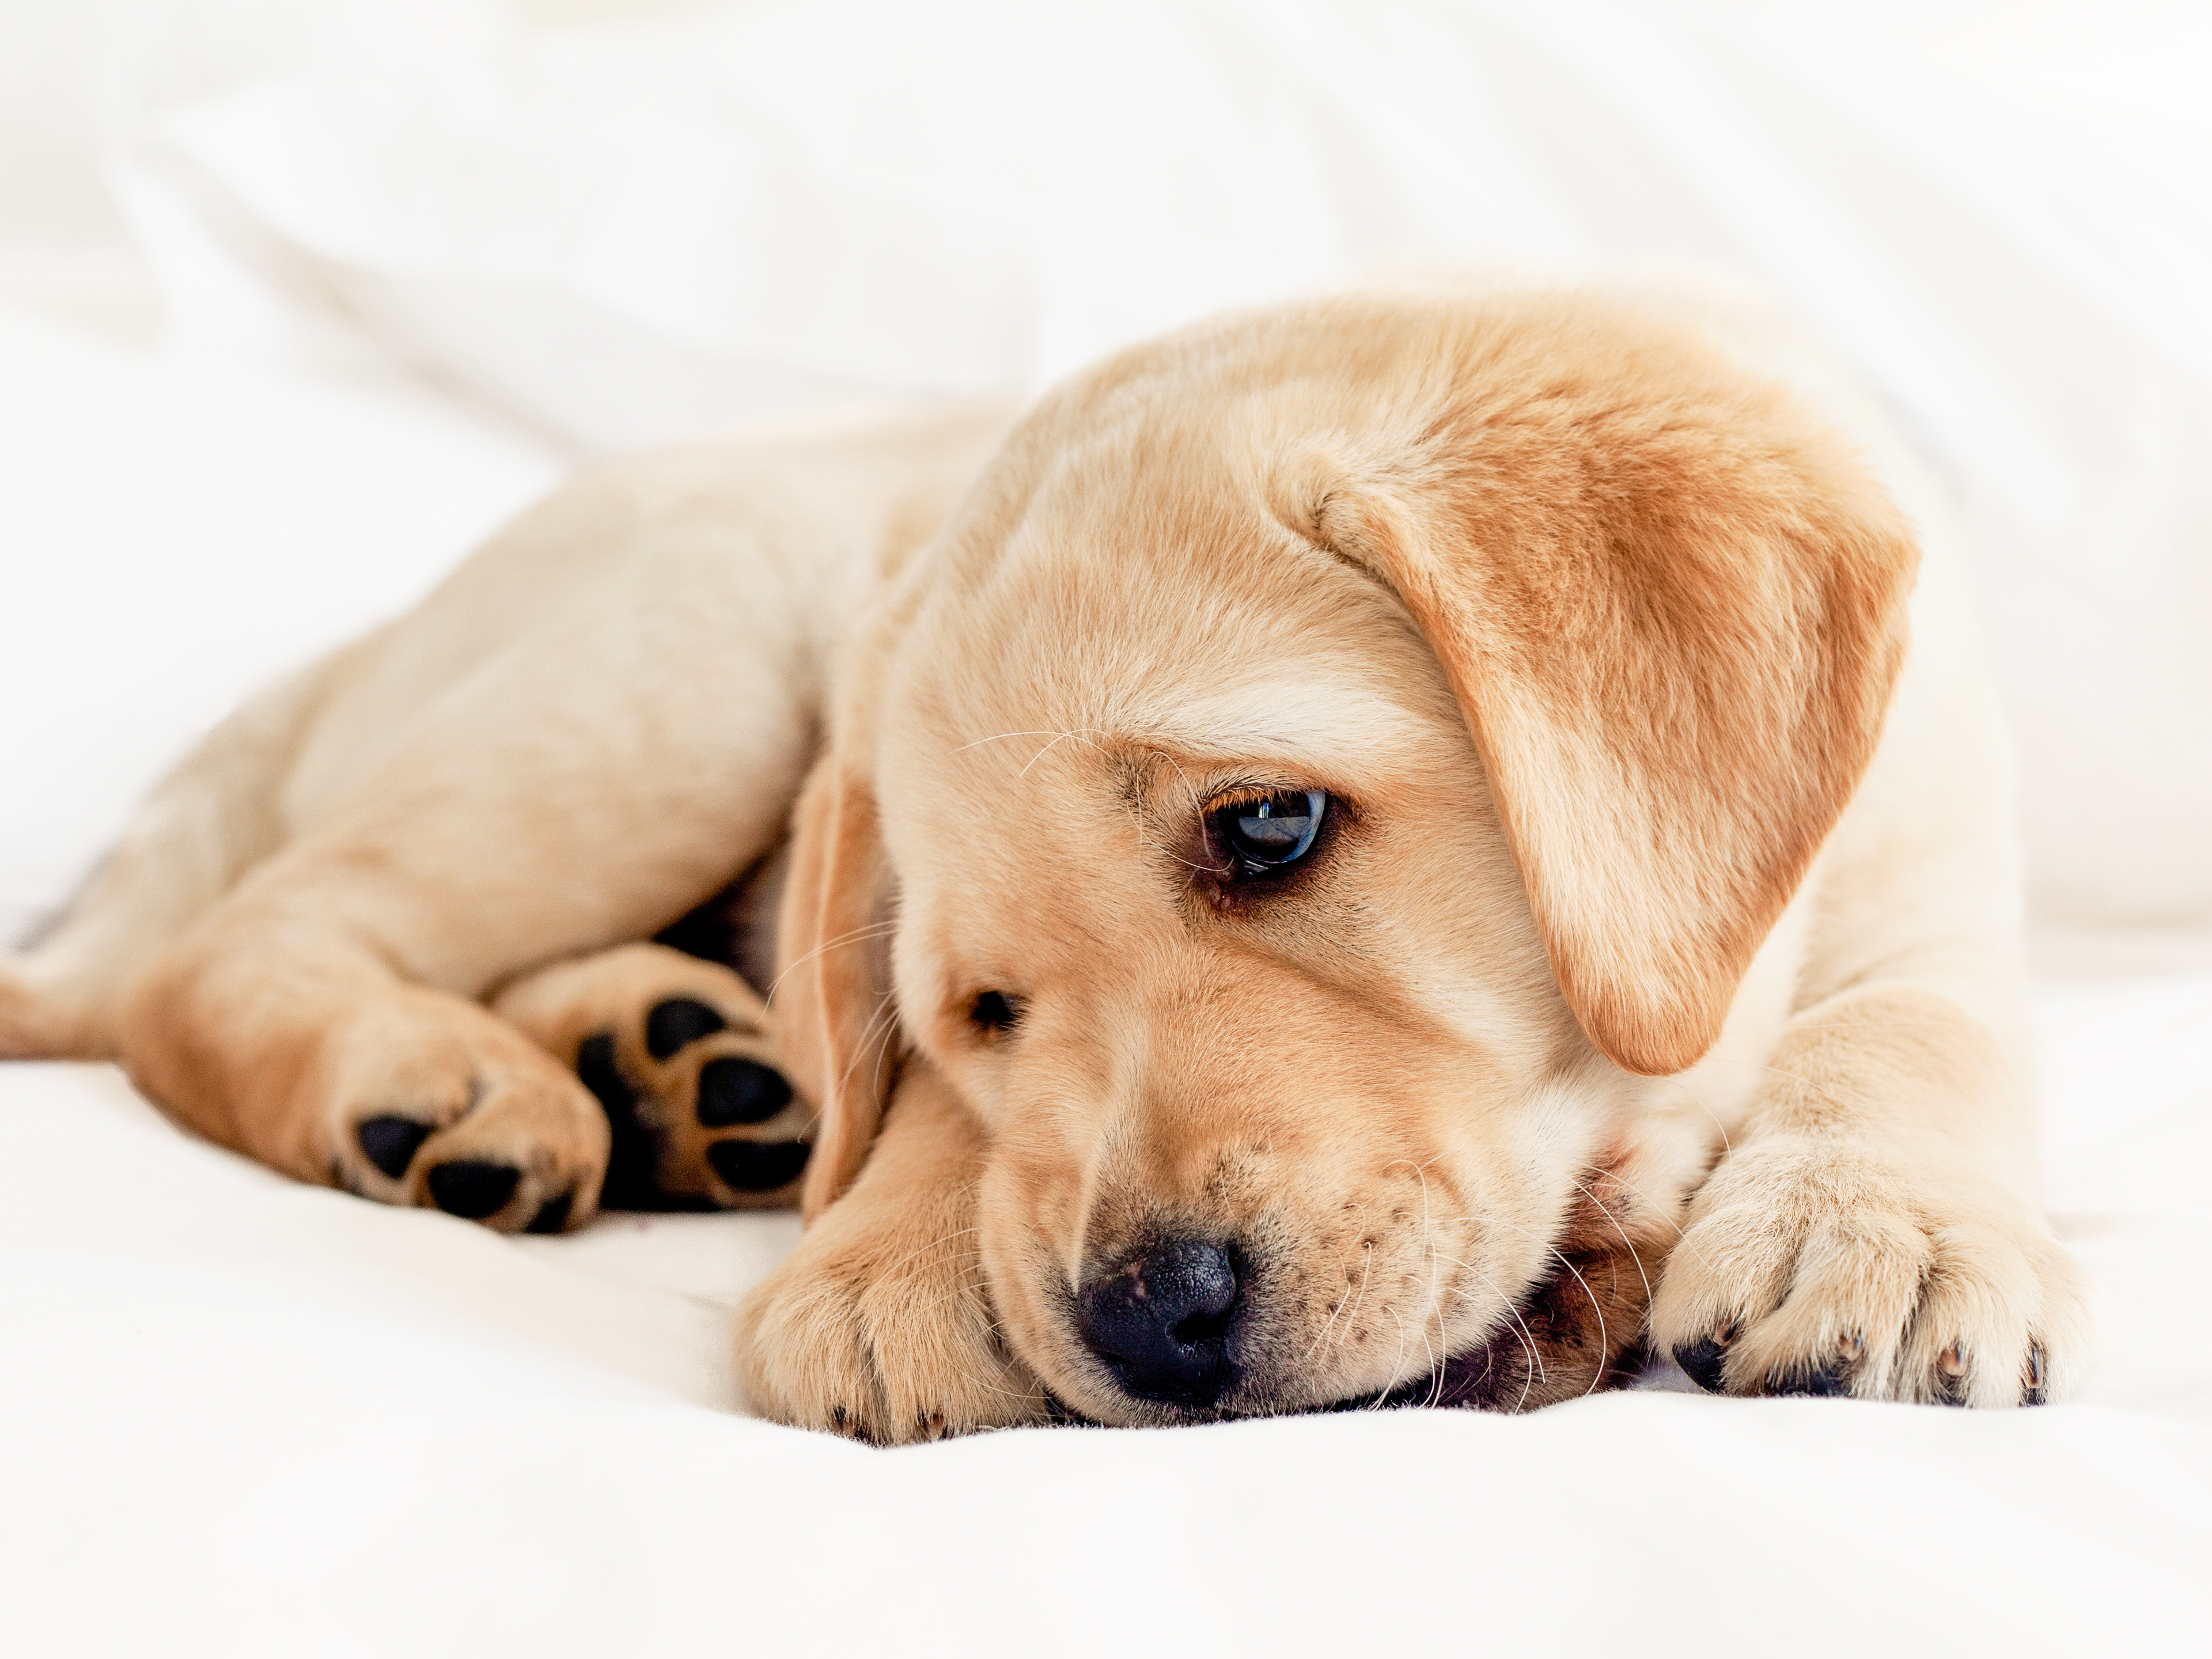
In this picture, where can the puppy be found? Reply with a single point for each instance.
(1408, 847)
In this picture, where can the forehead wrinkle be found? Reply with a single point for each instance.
(1330, 721)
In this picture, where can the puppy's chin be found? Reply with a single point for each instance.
(1506, 1374)
(1490, 1378)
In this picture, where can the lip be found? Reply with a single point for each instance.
(1481, 1378)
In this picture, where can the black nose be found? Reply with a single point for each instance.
(1162, 1323)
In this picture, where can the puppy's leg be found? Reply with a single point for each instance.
(681, 1054)
(321, 1015)
(878, 1326)
(1874, 1232)
(276, 1032)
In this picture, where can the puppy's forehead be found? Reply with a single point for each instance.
(1196, 626)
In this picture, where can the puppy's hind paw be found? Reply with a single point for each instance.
(432, 1102)
(680, 1055)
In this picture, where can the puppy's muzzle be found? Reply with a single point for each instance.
(1164, 1323)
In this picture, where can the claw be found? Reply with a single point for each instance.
(1951, 1367)
(1827, 1382)
(1704, 1361)
(1824, 1382)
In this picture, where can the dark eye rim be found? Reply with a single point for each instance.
(993, 1013)
(1232, 872)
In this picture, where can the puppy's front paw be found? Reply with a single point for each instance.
(877, 1327)
(1809, 1267)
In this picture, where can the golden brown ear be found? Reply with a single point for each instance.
(833, 998)
(1672, 608)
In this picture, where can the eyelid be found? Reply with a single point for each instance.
(994, 1010)
(1251, 792)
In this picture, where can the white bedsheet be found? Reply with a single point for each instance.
(244, 1416)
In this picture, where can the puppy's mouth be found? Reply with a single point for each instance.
(1503, 1374)
(1578, 1331)
(1178, 1330)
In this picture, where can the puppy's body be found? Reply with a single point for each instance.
(597, 721)
(1637, 935)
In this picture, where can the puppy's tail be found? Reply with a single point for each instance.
(213, 818)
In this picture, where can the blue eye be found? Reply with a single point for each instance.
(1264, 836)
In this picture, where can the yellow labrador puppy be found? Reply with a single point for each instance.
(1405, 847)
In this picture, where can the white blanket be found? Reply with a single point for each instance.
(412, 253)
(244, 1416)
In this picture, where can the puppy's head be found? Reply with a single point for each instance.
(1333, 754)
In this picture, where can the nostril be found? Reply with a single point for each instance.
(1201, 1328)
(1164, 1322)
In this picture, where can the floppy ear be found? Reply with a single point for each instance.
(833, 1000)
(1672, 608)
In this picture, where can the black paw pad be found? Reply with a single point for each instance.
(740, 1092)
(2032, 1391)
(751, 1166)
(630, 1183)
(472, 1189)
(552, 1215)
(676, 1022)
(1825, 1383)
(597, 1071)
(391, 1142)
(632, 1180)
(1701, 1362)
